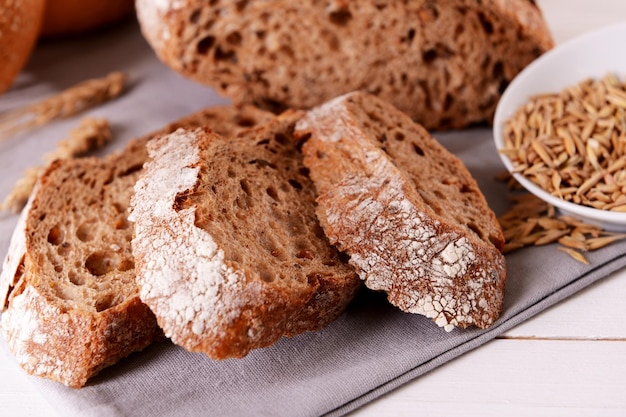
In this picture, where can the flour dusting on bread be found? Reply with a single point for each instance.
(193, 275)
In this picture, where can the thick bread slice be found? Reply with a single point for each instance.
(406, 210)
(69, 298)
(229, 253)
(444, 63)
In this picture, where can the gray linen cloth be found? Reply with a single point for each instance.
(370, 350)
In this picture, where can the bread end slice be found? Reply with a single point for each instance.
(406, 210)
(70, 302)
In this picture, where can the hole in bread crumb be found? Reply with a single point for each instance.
(281, 138)
(75, 278)
(448, 102)
(126, 265)
(194, 17)
(340, 17)
(498, 70)
(121, 224)
(244, 186)
(63, 249)
(263, 163)
(418, 150)
(205, 44)
(56, 236)
(119, 208)
(225, 55)
(85, 232)
(458, 30)
(234, 38)
(429, 56)
(295, 184)
(271, 191)
(410, 35)
(399, 136)
(105, 302)
(486, 23)
(474, 228)
(246, 122)
(99, 263)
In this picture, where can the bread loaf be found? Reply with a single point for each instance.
(67, 289)
(444, 63)
(406, 210)
(74, 17)
(20, 23)
(229, 253)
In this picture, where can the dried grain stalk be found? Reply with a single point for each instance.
(91, 134)
(67, 103)
(532, 222)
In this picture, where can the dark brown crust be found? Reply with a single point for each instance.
(443, 63)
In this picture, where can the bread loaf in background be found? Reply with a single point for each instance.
(20, 24)
(70, 303)
(74, 17)
(406, 211)
(444, 63)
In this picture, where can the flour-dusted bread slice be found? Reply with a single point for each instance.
(445, 63)
(229, 253)
(67, 289)
(406, 210)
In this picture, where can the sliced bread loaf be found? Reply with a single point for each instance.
(229, 253)
(444, 63)
(406, 210)
(69, 298)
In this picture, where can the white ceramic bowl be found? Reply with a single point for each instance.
(589, 56)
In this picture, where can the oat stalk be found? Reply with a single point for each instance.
(91, 134)
(67, 103)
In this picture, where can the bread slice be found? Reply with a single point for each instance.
(229, 253)
(444, 63)
(406, 210)
(67, 289)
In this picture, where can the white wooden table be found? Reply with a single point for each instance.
(568, 361)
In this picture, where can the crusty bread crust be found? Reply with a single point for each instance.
(70, 302)
(229, 253)
(406, 210)
(20, 24)
(443, 63)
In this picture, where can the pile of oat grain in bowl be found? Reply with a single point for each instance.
(573, 143)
